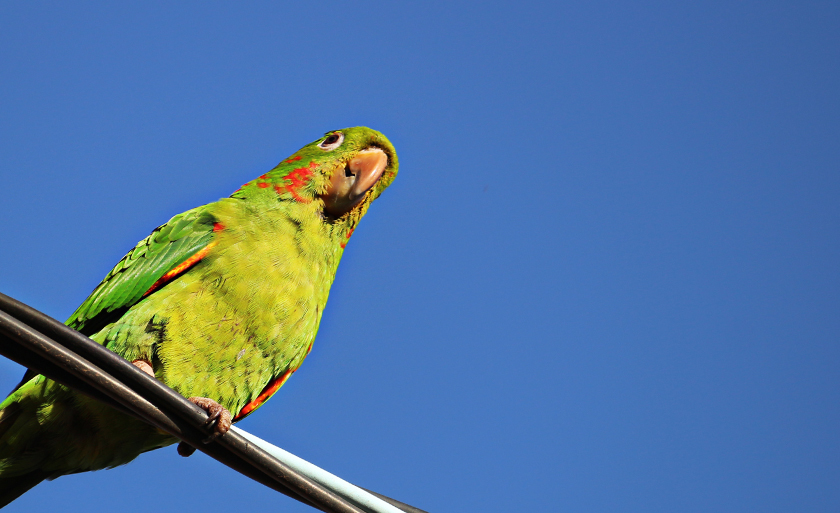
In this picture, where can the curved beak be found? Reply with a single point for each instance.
(348, 186)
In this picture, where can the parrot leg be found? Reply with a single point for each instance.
(216, 412)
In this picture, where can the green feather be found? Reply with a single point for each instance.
(242, 312)
(167, 246)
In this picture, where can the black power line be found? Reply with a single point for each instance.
(41, 343)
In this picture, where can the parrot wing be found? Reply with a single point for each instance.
(154, 261)
(169, 251)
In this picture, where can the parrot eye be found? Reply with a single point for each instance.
(332, 141)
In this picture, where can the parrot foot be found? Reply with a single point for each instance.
(185, 449)
(217, 415)
(144, 366)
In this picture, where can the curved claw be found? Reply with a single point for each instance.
(217, 416)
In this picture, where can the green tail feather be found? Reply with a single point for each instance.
(12, 487)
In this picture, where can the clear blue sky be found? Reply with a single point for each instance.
(606, 278)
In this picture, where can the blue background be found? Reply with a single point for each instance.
(606, 278)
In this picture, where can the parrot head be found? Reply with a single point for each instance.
(361, 165)
(337, 176)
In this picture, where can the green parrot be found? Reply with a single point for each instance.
(221, 303)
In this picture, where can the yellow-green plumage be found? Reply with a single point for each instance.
(223, 300)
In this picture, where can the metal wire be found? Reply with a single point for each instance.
(41, 343)
(289, 483)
